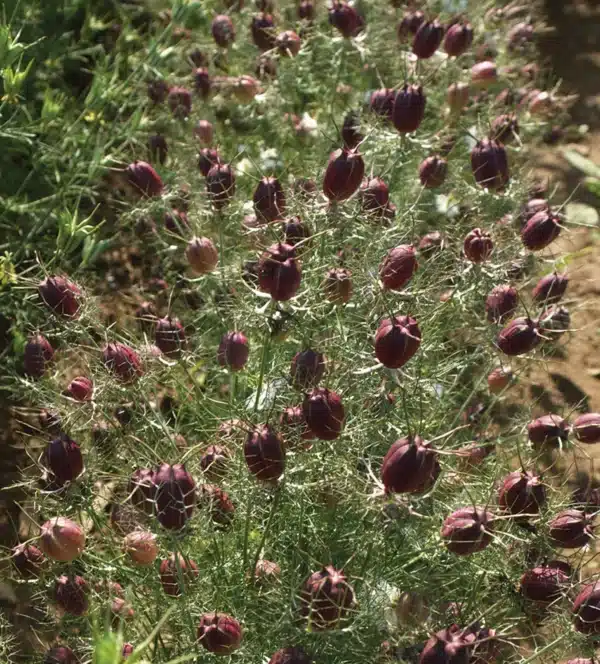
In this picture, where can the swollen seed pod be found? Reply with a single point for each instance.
(345, 18)
(478, 245)
(484, 74)
(541, 230)
(290, 655)
(141, 547)
(551, 288)
(175, 495)
(28, 560)
(409, 108)
(263, 32)
(344, 174)
(158, 91)
(207, 158)
(142, 489)
(81, 388)
(409, 25)
(338, 285)
(233, 351)
(458, 39)
(307, 369)
(571, 529)
(499, 379)
(220, 184)
(60, 655)
(214, 461)
(176, 574)
(143, 179)
(266, 572)
(382, 102)
(179, 100)
(431, 243)
(586, 609)
(269, 200)
(520, 336)
(63, 459)
(62, 539)
(586, 428)
(219, 633)
(295, 230)
(169, 336)
(202, 255)
(217, 504)
(543, 584)
(433, 171)
(489, 163)
(501, 303)
(223, 30)
(245, 88)
(398, 267)
(265, 453)
(123, 362)
(448, 646)
(294, 425)
(521, 492)
(428, 39)
(70, 594)
(37, 355)
(324, 413)
(202, 82)
(467, 530)
(408, 465)
(306, 10)
(288, 43)
(61, 296)
(326, 599)
(548, 430)
(279, 273)
(374, 195)
(504, 128)
(397, 339)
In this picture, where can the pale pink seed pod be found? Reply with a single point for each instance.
(62, 539)
(484, 74)
(204, 132)
(586, 428)
(141, 547)
(499, 379)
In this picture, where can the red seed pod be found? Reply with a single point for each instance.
(501, 303)
(170, 336)
(180, 101)
(586, 609)
(499, 379)
(458, 39)
(409, 108)
(521, 493)
(520, 336)
(141, 547)
(484, 74)
(409, 25)
(554, 321)
(62, 539)
(398, 267)
(351, 134)
(457, 96)
(207, 158)
(290, 655)
(233, 351)
(571, 529)
(70, 594)
(397, 340)
(204, 132)
(202, 255)
(307, 369)
(504, 128)
(541, 230)
(158, 91)
(344, 174)
(374, 195)
(551, 288)
(428, 39)
(295, 230)
(345, 18)
(288, 43)
(220, 184)
(122, 361)
(408, 465)
(214, 461)
(176, 574)
(216, 503)
(586, 428)
(269, 200)
(63, 459)
(265, 453)
(143, 179)
(81, 389)
(60, 655)
(382, 102)
(28, 560)
(202, 82)
(142, 489)
(127, 650)
(60, 295)
(306, 10)
(338, 285)
(292, 422)
(263, 32)
(324, 413)
(430, 243)
(467, 530)
(489, 163)
(219, 633)
(448, 646)
(433, 171)
(279, 273)
(223, 30)
(543, 584)
(326, 599)
(548, 430)
(37, 355)
(175, 495)
(530, 208)
(266, 572)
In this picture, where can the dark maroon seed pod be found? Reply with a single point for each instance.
(586, 428)
(307, 369)
(478, 246)
(448, 646)
(180, 101)
(81, 389)
(214, 461)
(202, 82)
(430, 243)
(326, 599)
(520, 336)
(397, 340)
(288, 43)
(374, 195)
(541, 230)
(269, 200)
(382, 102)
(175, 495)
(458, 39)
(345, 18)
(433, 171)
(60, 655)
(344, 174)
(142, 490)
(265, 453)
(501, 303)
(158, 91)
(571, 529)
(467, 530)
(279, 272)
(521, 493)
(207, 158)
(351, 133)
(219, 633)
(63, 459)
(398, 267)
(158, 148)
(324, 413)
(409, 108)
(198, 58)
(338, 285)
(428, 39)
(551, 288)
(70, 593)
(28, 560)
(505, 128)
(216, 503)
(290, 655)
(409, 25)
(170, 336)
(408, 465)
(143, 179)
(220, 184)
(61, 296)
(176, 574)
(306, 10)
(586, 609)
(263, 32)
(554, 321)
(295, 230)
(543, 584)
(233, 351)
(548, 430)
(489, 163)
(37, 355)
(223, 30)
